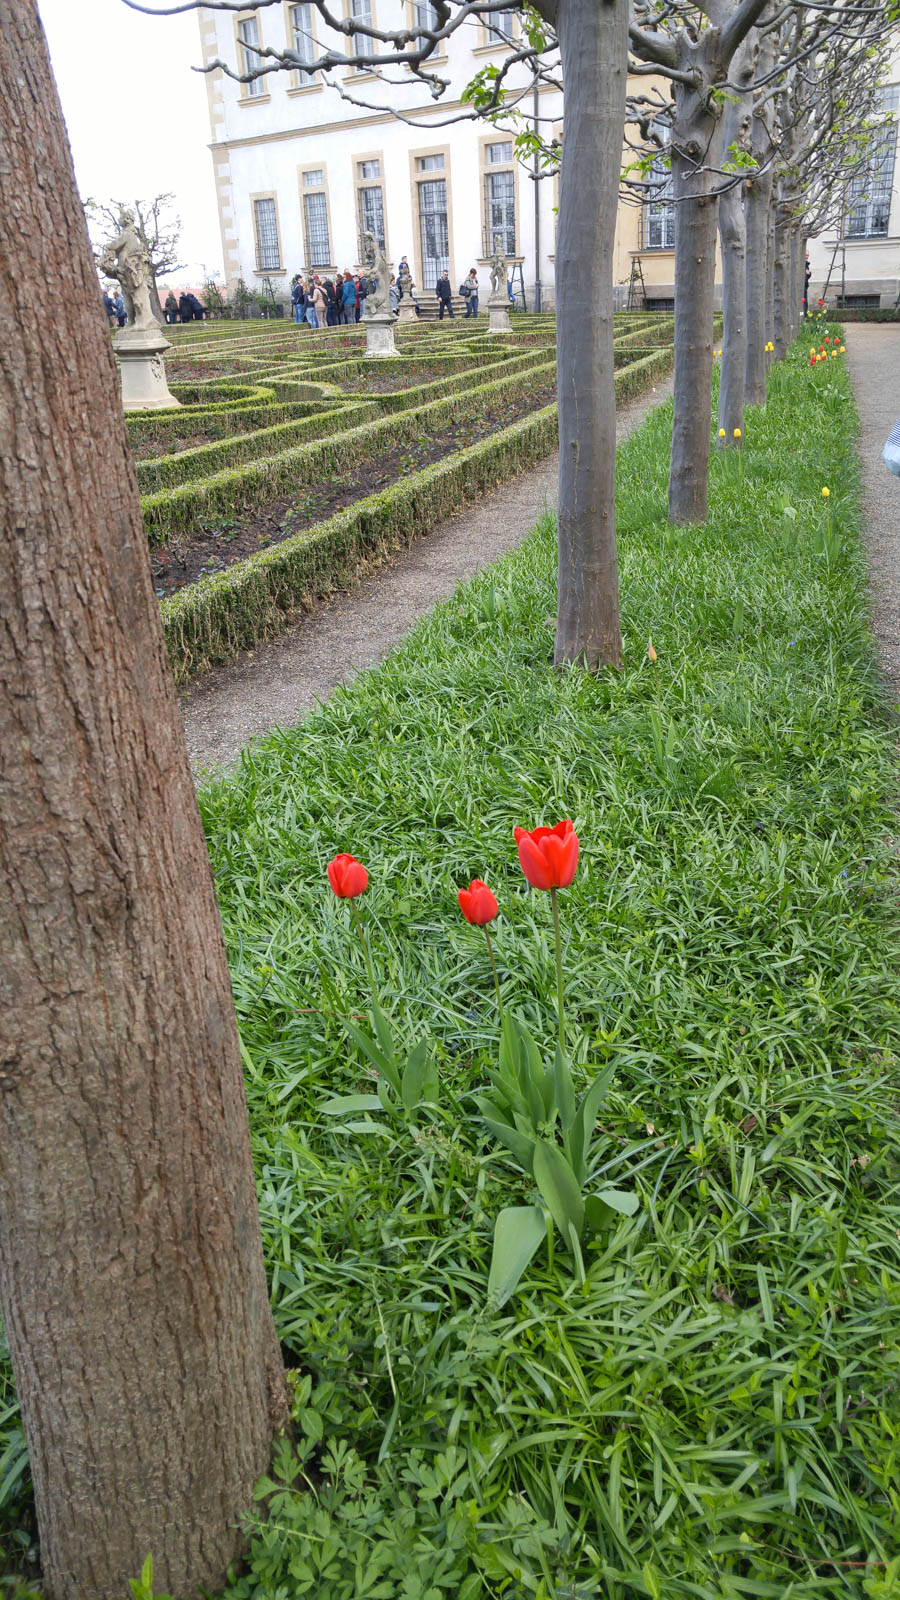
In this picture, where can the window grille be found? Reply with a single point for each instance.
(371, 212)
(268, 253)
(248, 33)
(433, 230)
(360, 43)
(318, 248)
(659, 212)
(869, 195)
(303, 42)
(501, 211)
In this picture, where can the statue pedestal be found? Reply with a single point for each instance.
(498, 313)
(140, 353)
(406, 311)
(380, 334)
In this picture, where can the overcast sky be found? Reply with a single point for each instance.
(136, 113)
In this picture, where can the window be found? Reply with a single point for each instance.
(869, 195)
(302, 41)
(248, 33)
(370, 199)
(315, 217)
(268, 250)
(499, 27)
(424, 15)
(314, 179)
(499, 196)
(360, 43)
(659, 210)
(429, 163)
(860, 302)
(433, 230)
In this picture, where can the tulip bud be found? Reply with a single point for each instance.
(651, 653)
(347, 876)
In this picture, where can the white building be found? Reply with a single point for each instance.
(860, 260)
(299, 170)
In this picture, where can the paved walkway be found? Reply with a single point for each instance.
(275, 684)
(873, 353)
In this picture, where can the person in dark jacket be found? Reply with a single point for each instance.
(297, 299)
(109, 308)
(331, 306)
(171, 308)
(444, 294)
(119, 309)
(348, 299)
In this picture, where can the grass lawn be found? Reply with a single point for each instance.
(715, 1411)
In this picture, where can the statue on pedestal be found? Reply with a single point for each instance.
(125, 258)
(498, 267)
(378, 300)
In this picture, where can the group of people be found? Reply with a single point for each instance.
(328, 302)
(186, 309)
(114, 306)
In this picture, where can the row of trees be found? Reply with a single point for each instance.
(131, 1274)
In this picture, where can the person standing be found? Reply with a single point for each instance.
(119, 309)
(109, 307)
(332, 315)
(319, 306)
(171, 308)
(445, 295)
(348, 298)
(469, 292)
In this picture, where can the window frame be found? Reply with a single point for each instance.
(879, 177)
(661, 208)
(299, 84)
(317, 188)
(360, 183)
(360, 72)
(491, 169)
(257, 91)
(260, 270)
(415, 179)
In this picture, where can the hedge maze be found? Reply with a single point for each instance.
(294, 460)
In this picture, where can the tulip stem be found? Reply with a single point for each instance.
(559, 971)
(494, 971)
(365, 945)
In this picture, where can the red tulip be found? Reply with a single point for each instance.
(813, 360)
(477, 904)
(821, 302)
(548, 856)
(347, 877)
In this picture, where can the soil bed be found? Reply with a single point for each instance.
(177, 564)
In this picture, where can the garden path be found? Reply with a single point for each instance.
(275, 684)
(873, 353)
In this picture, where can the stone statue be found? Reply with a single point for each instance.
(405, 280)
(378, 300)
(126, 258)
(498, 267)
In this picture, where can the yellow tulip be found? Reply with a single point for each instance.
(825, 493)
(737, 433)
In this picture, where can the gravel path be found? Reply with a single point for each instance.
(873, 352)
(275, 684)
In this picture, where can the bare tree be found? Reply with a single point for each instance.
(585, 40)
(157, 225)
(132, 1282)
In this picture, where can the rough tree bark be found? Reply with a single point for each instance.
(782, 287)
(593, 46)
(131, 1274)
(696, 150)
(733, 246)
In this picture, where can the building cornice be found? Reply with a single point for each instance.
(370, 120)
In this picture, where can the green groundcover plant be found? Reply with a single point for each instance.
(714, 1409)
(708, 1403)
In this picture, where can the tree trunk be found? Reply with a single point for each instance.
(757, 202)
(593, 44)
(694, 152)
(782, 288)
(770, 275)
(733, 240)
(131, 1273)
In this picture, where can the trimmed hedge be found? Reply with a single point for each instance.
(204, 460)
(162, 426)
(861, 314)
(212, 620)
(185, 506)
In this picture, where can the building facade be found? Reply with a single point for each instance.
(301, 170)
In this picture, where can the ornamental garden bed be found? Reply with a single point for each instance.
(183, 561)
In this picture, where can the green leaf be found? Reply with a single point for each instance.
(559, 1187)
(517, 1233)
(565, 1090)
(520, 1144)
(415, 1074)
(621, 1200)
(341, 1103)
(383, 1064)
